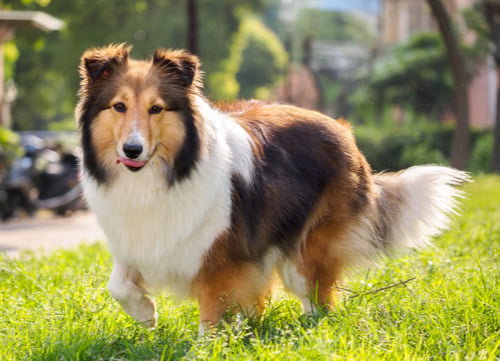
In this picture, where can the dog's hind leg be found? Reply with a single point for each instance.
(314, 272)
(127, 287)
(312, 282)
(295, 281)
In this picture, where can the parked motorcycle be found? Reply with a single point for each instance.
(42, 178)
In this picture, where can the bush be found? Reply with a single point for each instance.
(392, 149)
(9, 149)
(401, 147)
(480, 157)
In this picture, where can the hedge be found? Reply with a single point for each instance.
(401, 147)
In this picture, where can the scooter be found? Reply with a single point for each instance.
(42, 178)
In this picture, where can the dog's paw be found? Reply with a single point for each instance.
(146, 314)
(143, 312)
(150, 324)
(206, 328)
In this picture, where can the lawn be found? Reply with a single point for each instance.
(434, 304)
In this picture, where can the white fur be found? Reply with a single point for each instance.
(359, 245)
(125, 286)
(163, 232)
(238, 140)
(295, 282)
(428, 196)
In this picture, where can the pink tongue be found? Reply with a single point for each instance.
(130, 162)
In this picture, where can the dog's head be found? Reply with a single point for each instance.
(131, 112)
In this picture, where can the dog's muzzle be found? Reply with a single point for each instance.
(132, 151)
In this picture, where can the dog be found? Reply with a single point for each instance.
(212, 201)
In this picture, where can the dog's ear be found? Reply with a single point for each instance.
(98, 64)
(178, 63)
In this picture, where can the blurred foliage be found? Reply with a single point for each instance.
(264, 61)
(9, 149)
(11, 54)
(480, 158)
(392, 147)
(46, 69)
(485, 37)
(475, 22)
(413, 75)
(257, 61)
(333, 26)
(8, 139)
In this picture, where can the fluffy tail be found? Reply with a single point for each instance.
(415, 205)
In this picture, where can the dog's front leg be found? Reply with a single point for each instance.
(127, 287)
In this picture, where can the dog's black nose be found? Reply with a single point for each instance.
(131, 150)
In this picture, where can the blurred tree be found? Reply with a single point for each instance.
(264, 61)
(460, 146)
(414, 75)
(256, 62)
(46, 70)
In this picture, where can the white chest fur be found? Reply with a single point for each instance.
(163, 231)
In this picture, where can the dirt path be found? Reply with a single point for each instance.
(46, 232)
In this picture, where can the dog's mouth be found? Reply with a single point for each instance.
(132, 165)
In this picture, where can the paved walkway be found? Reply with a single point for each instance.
(46, 232)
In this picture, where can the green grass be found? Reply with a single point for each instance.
(56, 307)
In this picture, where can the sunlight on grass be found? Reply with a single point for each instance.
(56, 307)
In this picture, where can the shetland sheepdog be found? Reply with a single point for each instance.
(212, 201)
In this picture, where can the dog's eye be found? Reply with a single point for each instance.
(155, 109)
(120, 107)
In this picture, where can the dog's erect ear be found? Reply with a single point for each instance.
(98, 64)
(97, 69)
(178, 63)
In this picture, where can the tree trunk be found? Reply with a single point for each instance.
(192, 30)
(460, 145)
(307, 61)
